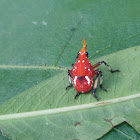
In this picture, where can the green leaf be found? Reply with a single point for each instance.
(51, 112)
(39, 32)
(3, 136)
(16, 80)
(37, 37)
(123, 132)
(31, 37)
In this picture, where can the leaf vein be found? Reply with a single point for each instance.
(63, 48)
(32, 67)
(124, 134)
(111, 45)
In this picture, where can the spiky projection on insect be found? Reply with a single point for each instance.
(82, 73)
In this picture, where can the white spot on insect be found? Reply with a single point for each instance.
(78, 61)
(73, 69)
(95, 84)
(82, 91)
(87, 78)
(85, 67)
(44, 23)
(82, 53)
(101, 80)
(83, 61)
(34, 22)
(88, 69)
(75, 80)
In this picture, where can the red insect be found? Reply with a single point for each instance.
(83, 72)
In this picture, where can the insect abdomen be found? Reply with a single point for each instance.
(82, 84)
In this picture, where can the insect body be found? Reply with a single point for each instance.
(82, 73)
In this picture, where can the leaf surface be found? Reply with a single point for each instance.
(40, 39)
(49, 32)
(31, 38)
(123, 131)
(52, 112)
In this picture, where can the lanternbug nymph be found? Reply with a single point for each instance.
(82, 73)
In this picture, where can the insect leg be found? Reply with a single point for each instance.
(95, 86)
(70, 81)
(101, 80)
(77, 95)
(103, 62)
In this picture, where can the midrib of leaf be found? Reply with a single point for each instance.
(32, 67)
(66, 109)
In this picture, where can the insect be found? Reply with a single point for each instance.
(82, 73)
